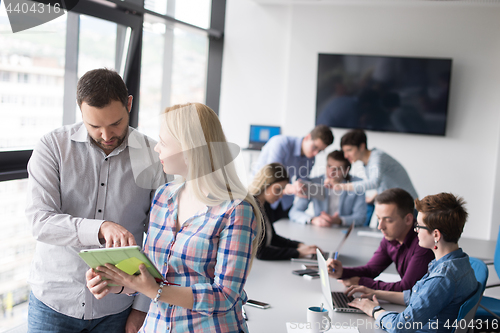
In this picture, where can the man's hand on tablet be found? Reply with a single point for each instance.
(115, 235)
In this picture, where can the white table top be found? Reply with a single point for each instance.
(290, 295)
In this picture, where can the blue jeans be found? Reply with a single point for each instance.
(41, 318)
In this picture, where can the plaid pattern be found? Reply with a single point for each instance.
(211, 254)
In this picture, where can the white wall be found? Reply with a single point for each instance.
(270, 68)
(254, 67)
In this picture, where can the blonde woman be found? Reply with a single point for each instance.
(203, 232)
(267, 187)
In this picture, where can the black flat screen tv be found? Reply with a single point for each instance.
(383, 93)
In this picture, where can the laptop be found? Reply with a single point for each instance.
(260, 134)
(309, 259)
(312, 258)
(337, 299)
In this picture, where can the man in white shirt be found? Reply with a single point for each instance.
(88, 187)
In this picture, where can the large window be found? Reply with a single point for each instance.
(181, 56)
(31, 81)
(195, 12)
(99, 46)
(16, 247)
(163, 51)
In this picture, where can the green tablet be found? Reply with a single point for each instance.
(127, 258)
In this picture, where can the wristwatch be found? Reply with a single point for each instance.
(375, 309)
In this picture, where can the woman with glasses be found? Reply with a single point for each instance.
(434, 301)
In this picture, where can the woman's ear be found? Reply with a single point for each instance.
(437, 234)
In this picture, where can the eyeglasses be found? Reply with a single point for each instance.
(416, 227)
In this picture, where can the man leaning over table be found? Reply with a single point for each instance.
(332, 207)
(394, 209)
(89, 185)
(298, 155)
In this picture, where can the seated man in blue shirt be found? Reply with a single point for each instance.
(298, 156)
(331, 207)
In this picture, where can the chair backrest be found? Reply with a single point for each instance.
(369, 212)
(496, 258)
(480, 270)
(468, 309)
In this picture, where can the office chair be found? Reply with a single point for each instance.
(489, 307)
(468, 309)
(369, 212)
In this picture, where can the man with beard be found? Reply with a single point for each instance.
(87, 189)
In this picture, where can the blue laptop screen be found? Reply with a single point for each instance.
(263, 133)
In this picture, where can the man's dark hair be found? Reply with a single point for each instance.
(99, 87)
(402, 199)
(324, 133)
(354, 138)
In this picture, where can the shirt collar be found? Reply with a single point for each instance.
(174, 186)
(132, 140)
(452, 255)
(81, 135)
(410, 236)
(324, 177)
(172, 198)
(297, 151)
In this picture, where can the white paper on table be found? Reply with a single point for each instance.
(388, 277)
(374, 234)
(303, 328)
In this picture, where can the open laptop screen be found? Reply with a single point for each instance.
(325, 279)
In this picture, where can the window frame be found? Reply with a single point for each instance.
(13, 164)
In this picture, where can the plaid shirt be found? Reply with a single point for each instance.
(211, 254)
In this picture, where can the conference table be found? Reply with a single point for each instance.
(290, 295)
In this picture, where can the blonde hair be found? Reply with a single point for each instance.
(267, 176)
(209, 158)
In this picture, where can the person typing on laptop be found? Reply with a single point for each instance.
(331, 207)
(433, 303)
(394, 209)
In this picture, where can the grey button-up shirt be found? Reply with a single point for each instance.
(73, 188)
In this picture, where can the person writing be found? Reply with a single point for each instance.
(203, 232)
(394, 210)
(267, 186)
(298, 156)
(436, 298)
(382, 171)
(331, 207)
(85, 190)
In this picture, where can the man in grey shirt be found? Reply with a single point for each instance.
(382, 170)
(90, 185)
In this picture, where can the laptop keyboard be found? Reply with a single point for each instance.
(315, 257)
(340, 300)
